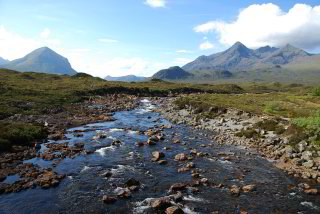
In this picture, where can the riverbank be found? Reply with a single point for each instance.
(250, 130)
(97, 109)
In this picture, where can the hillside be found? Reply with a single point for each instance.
(172, 73)
(42, 60)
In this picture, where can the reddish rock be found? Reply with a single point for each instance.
(249, 188)
(174, 210)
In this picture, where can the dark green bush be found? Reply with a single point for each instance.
(268, 125)
(316, 92)
(250, 133)
(18, 133)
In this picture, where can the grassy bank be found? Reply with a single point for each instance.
(299, 104)
(38, 94)
(45, 94)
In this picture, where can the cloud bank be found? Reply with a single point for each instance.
(266, 24)
(155, 3)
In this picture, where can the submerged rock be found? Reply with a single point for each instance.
(178, 186)
(108, 199)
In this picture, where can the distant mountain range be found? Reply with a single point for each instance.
(3, 61)
(42, 60)
(127, 78)
(239, 58)
(239, 63)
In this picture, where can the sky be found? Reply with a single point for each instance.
(140, 37)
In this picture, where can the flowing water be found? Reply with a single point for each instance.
(82, 190)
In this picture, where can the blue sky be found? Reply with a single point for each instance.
(120, 37)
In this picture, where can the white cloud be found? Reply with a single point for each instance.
(106, 40)
(14, 46)
(156, 3)
(266, 24)
(118, 66)
(182, 61)
(206, 45)
(184, 51)
(87, 60)
(45, 33)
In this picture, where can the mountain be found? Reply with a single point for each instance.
(3, 61)
(172, 73)
(42, 60)
(127, 78)
(285, 55)
(240, 58)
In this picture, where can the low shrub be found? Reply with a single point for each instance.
(250, 133)
(316, 92)
(18, 133)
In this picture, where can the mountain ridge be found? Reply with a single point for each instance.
(238, 57)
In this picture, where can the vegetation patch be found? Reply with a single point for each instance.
(249, 133)
(18, 133)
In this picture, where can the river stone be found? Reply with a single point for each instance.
(108, 199)
(249, 188)
(174, 210)
(178, 186)
(190, 165)
(160, 203)
(311, 191)
(317, 161)
(180, 157)
(308, 164)
(306, 155)
(177, 197)
(157, 155)
(302, 146)
(234, 190)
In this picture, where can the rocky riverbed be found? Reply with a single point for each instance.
(139, 162)
(302, 160)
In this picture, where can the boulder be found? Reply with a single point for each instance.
(174, 210)
(157, 155)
